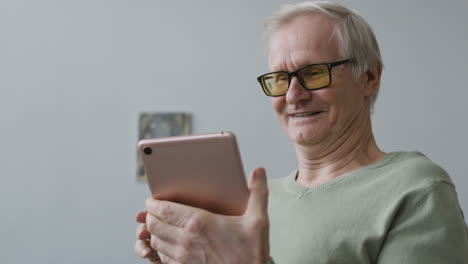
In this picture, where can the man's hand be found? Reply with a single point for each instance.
(184, 234)
(142, 245)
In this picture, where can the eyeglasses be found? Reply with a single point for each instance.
(311, 77)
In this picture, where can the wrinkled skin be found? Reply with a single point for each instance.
(172, 233)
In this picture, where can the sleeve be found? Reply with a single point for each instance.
(431, 229)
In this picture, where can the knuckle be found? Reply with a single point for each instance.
(164, 211)
(139, 247)
(151, 226)
(149, 220)
(140, 229)
(195, 224)
(154, 226)
(154, 243)
(187, 245)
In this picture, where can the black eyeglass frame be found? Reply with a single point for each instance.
(330, 66)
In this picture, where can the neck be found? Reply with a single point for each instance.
(352, 149)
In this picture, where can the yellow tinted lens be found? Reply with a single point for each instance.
(315, 76)
(275, 83)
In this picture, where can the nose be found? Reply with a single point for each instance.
(296, 92)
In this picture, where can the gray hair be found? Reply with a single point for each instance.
(355, 38)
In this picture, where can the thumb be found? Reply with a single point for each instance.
(258, 197)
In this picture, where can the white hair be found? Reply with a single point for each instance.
(356, 40)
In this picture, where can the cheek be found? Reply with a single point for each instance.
(345, 105)
(334, 99)
(329, 98)
(278, 104)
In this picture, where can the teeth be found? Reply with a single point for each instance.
(305, 114)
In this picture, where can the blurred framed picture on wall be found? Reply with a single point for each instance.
(156, 125)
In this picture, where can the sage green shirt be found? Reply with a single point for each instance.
(402, 209)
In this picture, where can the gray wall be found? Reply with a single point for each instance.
(75, 74)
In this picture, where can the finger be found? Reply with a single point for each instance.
(142, 232)
(142, 248)
(171, 213)
(167, 260)
(154, 258)
(258, 198)
(168, 252)
(162, 230)
(141, 217)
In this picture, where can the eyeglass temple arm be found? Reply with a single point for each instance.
(334, 64)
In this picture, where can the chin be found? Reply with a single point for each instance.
(305, 137)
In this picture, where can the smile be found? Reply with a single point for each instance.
(306, 114)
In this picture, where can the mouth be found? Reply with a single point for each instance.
(305, 114)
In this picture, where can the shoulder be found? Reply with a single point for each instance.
(404, 179)
(414, 168)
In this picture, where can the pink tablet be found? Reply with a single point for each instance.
(204, 171)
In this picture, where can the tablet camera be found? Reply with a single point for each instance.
(147, 151)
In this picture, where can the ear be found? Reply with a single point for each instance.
(372, 80)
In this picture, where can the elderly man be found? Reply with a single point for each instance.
(348, 202)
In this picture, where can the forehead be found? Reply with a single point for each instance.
(305, 39)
